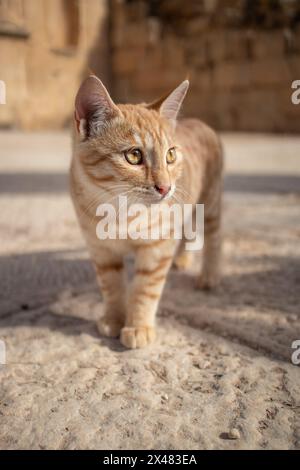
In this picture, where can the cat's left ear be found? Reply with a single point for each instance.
(169, 105)
(93, 107)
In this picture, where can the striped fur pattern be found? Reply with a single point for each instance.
(100, 172)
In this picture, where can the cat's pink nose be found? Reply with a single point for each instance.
(163, 189)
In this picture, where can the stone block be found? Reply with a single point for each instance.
(223, 45)
(196, 26)
(158, 82)
(235, 44)
(126, 61)
(199, 104)
(135, 35)
(216, 47)
(270, 72)
(173, 52)
(152, 59)
(154, 31)
(258, 110)
(201, 79)
(230, 75)
(268, 44)
(293, 62)
(196, 53)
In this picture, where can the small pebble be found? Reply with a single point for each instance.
(234, 434)
(206, 365)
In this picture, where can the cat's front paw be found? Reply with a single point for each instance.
(109, 327)
(137, 337)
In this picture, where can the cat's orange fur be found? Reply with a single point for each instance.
(99, 172)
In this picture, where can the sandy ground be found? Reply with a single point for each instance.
(222, 360)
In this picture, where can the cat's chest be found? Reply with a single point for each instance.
(120, 231)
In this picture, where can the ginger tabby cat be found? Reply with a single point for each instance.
(142, 151)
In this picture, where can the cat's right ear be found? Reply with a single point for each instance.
(93, 107)
(169, 105)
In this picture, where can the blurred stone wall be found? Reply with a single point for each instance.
(46, 48)
(241, 57)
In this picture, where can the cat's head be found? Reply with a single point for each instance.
(130, 147)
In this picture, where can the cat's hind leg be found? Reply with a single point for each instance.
(211, 254)
(184, 259)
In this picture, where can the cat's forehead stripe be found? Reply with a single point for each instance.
(149, 141)
(138, 139)
(164, 140)
(149, 145)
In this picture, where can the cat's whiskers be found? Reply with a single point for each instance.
(94, 203)
(183, 193)
(180, 202)
(123, 203)
(93, 200)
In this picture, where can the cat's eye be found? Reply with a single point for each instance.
(134, 156)
(171, 155)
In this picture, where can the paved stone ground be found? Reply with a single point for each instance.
(221, 361)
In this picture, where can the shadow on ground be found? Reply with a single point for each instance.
(259, 308)
(41, 183)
